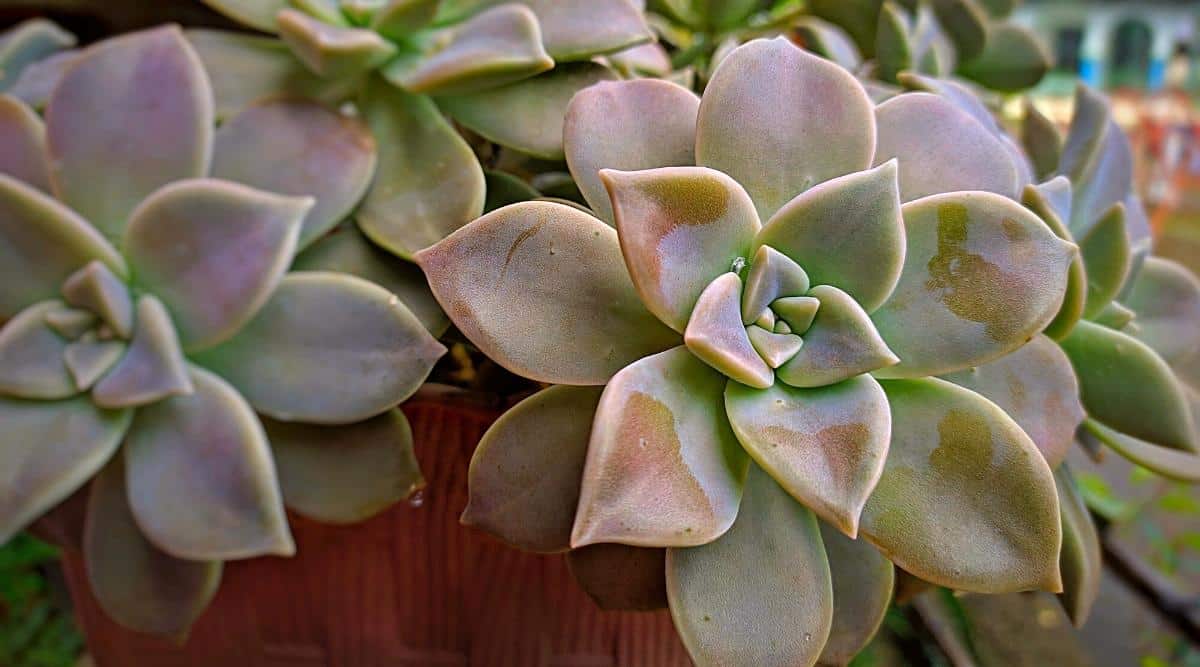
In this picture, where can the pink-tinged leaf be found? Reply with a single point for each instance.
(327, 348)
(97, 290)
(132, 114)
(847, 232)
(650, 60)
(500, 45)
(1036, 386)
(1097, 158)
(579, 29)
(1166, 297)
(680, 228)
(136, 584)
(627, 125)
(333, 51)
(982, 276)
(398, 19)
(941, 148)
(23, 144)
(966, 501)
(26, 44)
(761, 593)
(780, 120)
(863, 581)
(716, 335)
(213, 251)
(825, 446)
(663, 466)
(201, 481)
(42, 243)
(619, 577)
(345, 474)
(39, 79)
(50, 449)
(153, 367)
(428, 182)
(773, 276)
(259, 14)
(523, 284)
(299, 148)
(841, 343)
(31, 356)
(525, 474)
(1051, 201)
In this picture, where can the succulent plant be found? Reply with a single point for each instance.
(156, 340)
(970, 38)
(411, 66)
(769, 414)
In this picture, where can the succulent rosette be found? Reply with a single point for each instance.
(969, 38)
(756, 397)
(156, 340)
(414, 69)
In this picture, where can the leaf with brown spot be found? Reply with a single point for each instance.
(825, 446)
(981, 277)
(525, 474)
(663, 466)
(966, 500)
(525, 284)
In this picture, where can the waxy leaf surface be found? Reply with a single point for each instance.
(863, 581)
(23, 144)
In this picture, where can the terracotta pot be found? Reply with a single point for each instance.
(410, 587)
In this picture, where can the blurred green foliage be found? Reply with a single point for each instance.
(36, 627)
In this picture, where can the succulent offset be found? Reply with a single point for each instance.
(766, 318)
(411, 66)
(156, 340)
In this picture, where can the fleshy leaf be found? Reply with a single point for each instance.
(31, 356)
(332, 51)
(522, 283)
(841, 343)
(258, 14)
(525, 473)
(299, 148)
(893, 50)
(680, 228)
(136, 584)
(1012, 59)
(70, 323)
(717, 336)
(1127, 386)
(39, 79)
(772, 276)
(663, 467)
(153, 367)
(829, 40)
(504, 188)
(825, 446)
(1117, 316)
(213, 251)
(88, 359)
(1080, 561)
(827, 131)
(965, 500)
(201, 481)
(863, 581)
(526, 116)
(1098, 160)
(1170, 463)
(761, 593)
(579, 29)
(327, 11)
(627, 125)
(1051, 201)
(28, 43)
(798, 312)
(619, 577)
(345, 474)
(398, 19)
(42, 243)
(327, 348)
(247, 68)
(1166, 298)
(495, 47)
(1036, 386)
(982, 271)
(23, 144)
(941, 148)
(847, 232)
(132, 114)
(50, 450)
(1107, 259)
(1042, 140)
(347, 250)
(96, 289)
(965, 23)
(428, 182)
(651, 60)
(775, 348)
